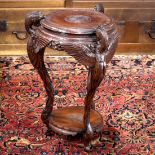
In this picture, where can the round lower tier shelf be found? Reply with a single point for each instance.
(69, 120)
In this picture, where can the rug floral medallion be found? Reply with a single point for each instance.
(125, 98)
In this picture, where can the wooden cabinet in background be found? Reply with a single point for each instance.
(134, 19)
(13, 12)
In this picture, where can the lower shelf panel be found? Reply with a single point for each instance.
(69, 120)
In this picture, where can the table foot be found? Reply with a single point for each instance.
(49, 133)
(87, 141)
(88, 148)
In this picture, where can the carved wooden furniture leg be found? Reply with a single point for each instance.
(96, 75)
(38, 63)
(35, 51)
(88, 86)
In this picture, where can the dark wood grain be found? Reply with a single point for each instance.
(70, 120)
(74, 21)
(124, 11)
(91, 44)
(36, 54)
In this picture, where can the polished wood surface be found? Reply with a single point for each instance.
(69, 120)
(94, 50)
(127, 14)
(137, 43)
(74, 22)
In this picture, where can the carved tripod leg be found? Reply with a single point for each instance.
(37, 60)
(96, 75)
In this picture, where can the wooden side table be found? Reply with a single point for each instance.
(91, 38)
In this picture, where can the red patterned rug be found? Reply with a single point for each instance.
(126, 99)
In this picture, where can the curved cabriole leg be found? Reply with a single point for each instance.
(88, 87)
(37, 60)
(95, 77)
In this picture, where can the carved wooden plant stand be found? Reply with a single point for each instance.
(91, 38)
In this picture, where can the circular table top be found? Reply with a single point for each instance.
(74, 21)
